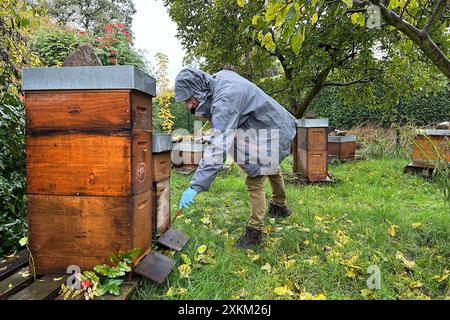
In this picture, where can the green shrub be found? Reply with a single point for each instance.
(54, 44)
(113, 44)
(421, 110)
(12, 173)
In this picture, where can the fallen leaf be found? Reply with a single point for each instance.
(202, 249)
(186, 259)
(442, 278)
(185, 271)
(289, 264)
(306, 242)
(12, 255)
(309, 296)
(176, 292)
(10, 286)
(58, 279)
(392, 231)
(283, 291)
(408, 263)
(267, 267)
(417, 225)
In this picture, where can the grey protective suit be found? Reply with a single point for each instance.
(231, 102)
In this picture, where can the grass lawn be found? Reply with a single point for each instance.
(375, 215)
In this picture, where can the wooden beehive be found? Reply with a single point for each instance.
(188, 155)
(342, 148)
(312, 152)
(89, 159)
(431, 146)
(162, 166)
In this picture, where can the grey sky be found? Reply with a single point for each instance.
(154, 32)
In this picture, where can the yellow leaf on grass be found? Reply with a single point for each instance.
(309, 296)
(186, 259)
(408, 263)
(283, 291)
(392, 231)
(306, 242)
(417, 225)
(442, 278)
(267, 267)
(185, 271)
(289, 264)
(255, 258)
(206, 220)
(202, 249)
(176, 292)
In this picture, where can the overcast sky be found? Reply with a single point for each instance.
(155, 32)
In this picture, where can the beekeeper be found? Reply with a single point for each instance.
(252, 127)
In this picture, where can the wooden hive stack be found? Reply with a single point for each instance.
(162, 166)
(342, 148)
(312, 135)
(89, 177)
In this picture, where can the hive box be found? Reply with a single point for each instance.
(312, 135)
(342, 148)
(430, 146)
(188, 155)
(89, 160)
(162, 165)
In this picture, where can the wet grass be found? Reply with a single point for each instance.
(374, 215)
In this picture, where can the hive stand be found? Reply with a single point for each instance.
(17, 283)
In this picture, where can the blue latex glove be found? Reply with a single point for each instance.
(188, 198)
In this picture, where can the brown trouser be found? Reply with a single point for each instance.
(255, 188)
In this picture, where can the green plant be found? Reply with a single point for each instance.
(103, 279)
(16, 20)
(53, 44)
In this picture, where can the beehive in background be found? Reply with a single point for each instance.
(187, 156)
(430, 146)
(342, 148)
(89, 164)
(162, 166)
(312, 152)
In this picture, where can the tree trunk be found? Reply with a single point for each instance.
(313, 92)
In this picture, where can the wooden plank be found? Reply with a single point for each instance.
(78, 110)
(79, 164)
(14, 264)
(43, 289)
(127, 290)
(15, 283)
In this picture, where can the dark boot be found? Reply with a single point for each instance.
(279, 212)
(249, 239)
